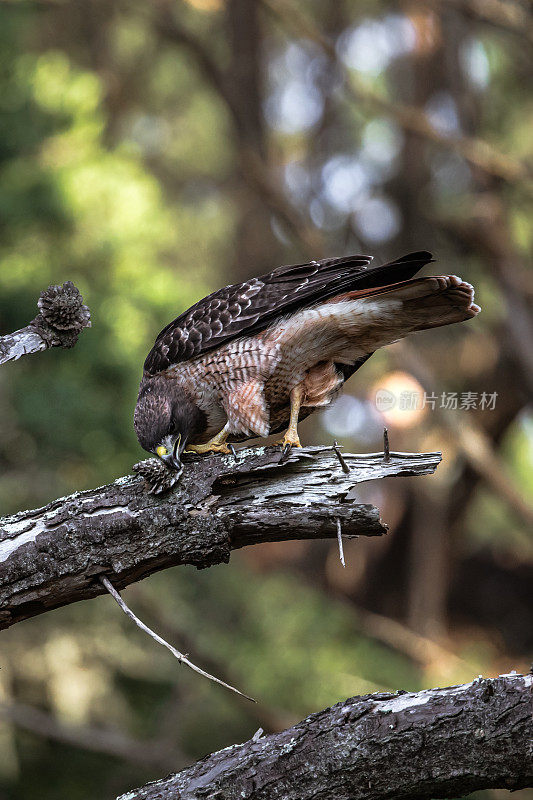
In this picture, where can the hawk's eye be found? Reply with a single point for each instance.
(161, 451)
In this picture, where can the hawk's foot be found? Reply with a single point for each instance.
(217, 444)
(209, 447)
(290, 439)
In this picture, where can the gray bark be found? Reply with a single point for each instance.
(55, 555)
(61, 318)
(431, 744)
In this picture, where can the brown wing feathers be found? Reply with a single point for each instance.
(253, 305)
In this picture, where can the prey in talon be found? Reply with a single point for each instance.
(255, 358)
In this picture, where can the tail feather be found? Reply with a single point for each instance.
(399, 270)
(426, 302)
(374, 318)
(454, 304)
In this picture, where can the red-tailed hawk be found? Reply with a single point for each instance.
(254, 358)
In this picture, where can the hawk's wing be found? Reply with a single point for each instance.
(253, 305)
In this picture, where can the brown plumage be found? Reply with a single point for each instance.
(240, 361)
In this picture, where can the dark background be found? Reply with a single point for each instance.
(152, 152)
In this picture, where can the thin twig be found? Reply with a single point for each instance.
(386, 446)
(339, 539)
(233, 452)
(271, 719)
(181, 658)
(285, 453)
(342, 462)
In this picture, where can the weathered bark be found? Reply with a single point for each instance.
(61, 318)
(55, 555)
(435, 743)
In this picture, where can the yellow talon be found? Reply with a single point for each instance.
(215, 445)
(208, 447)
(290, 439)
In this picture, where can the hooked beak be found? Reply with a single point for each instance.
(172, 459)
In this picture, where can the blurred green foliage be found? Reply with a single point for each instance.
(73, 208)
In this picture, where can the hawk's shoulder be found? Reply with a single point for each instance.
(210, 322)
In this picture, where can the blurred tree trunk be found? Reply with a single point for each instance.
(430, 69)
(256, 248)
(428, 575)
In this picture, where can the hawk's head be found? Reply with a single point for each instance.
(165, 419)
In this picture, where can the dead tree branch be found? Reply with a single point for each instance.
(56, 555)
(61, 318)
(434, 743)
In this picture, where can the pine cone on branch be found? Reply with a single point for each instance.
(62, 315)
(62, 308)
